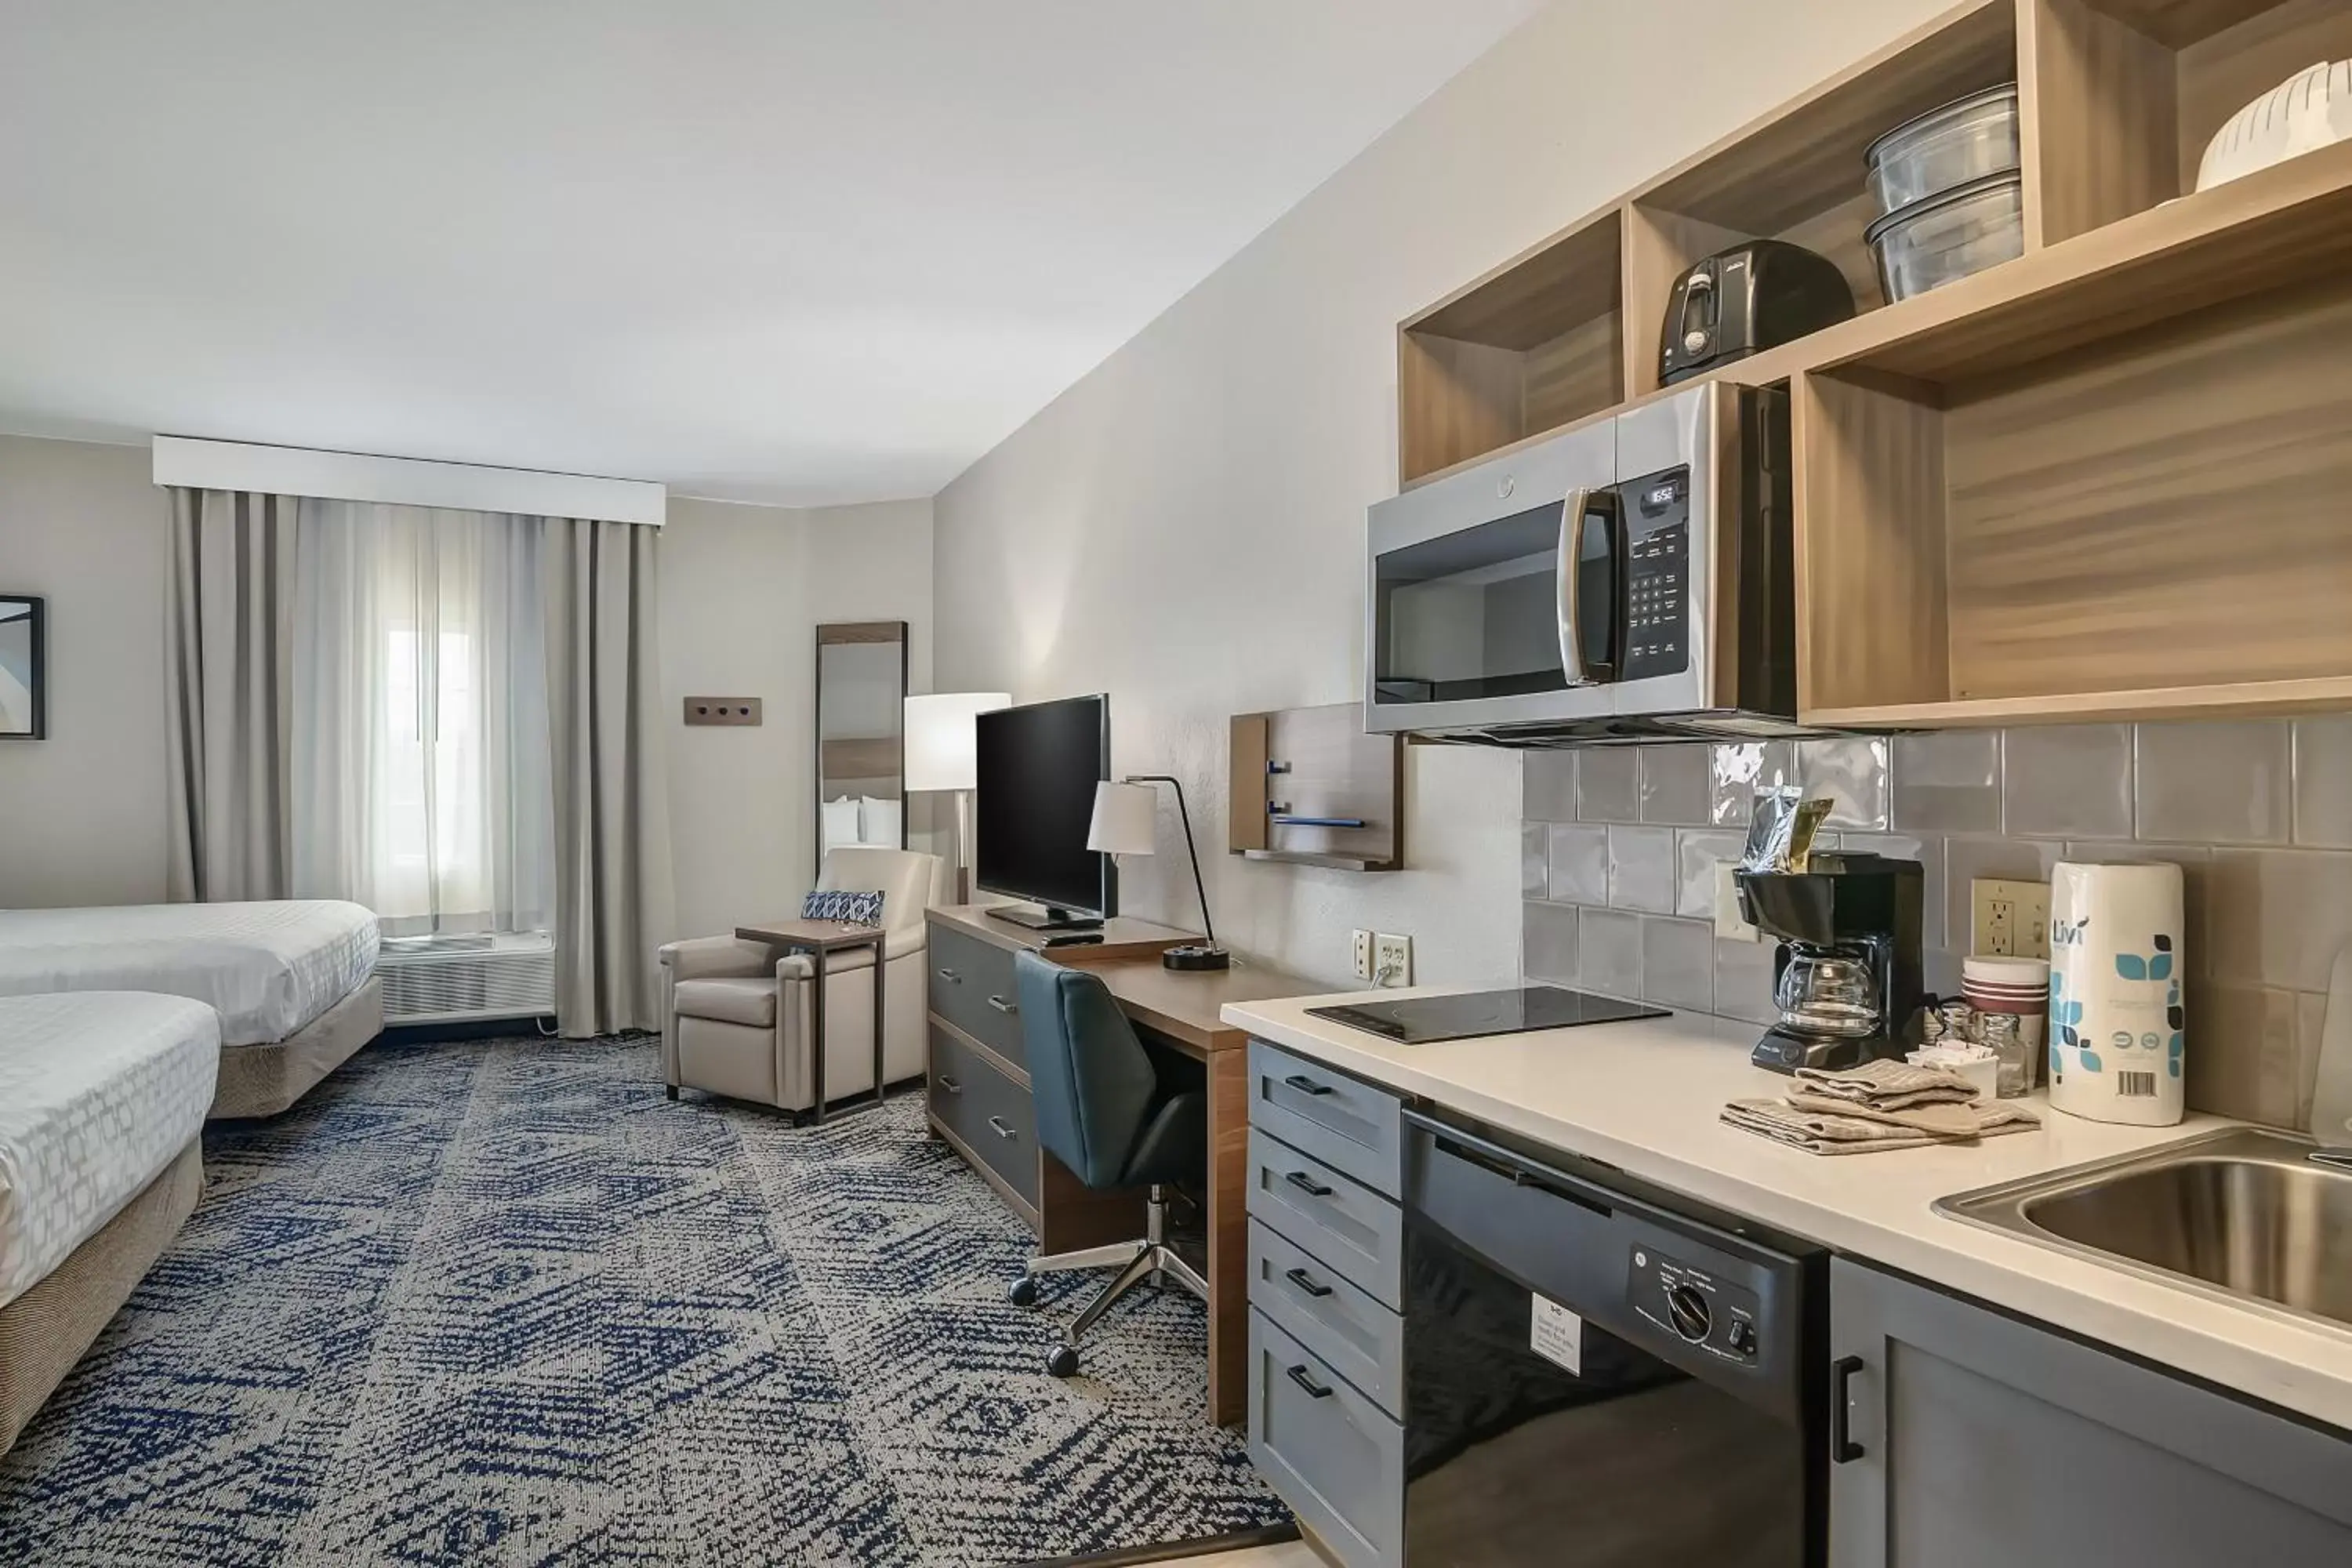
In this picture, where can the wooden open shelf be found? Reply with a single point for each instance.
(2153, 523)
(1799, 173)
(1310, 787)
(1534, 345)
(2127, 93)
(2104, 480)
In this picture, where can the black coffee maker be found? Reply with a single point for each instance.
(1847, 977)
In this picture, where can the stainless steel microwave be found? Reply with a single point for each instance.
(1631, 580)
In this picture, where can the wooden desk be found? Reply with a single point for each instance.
(1182, 1009)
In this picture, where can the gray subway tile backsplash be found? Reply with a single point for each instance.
(1579, 863)
(1608, 785)
(2214, 784)
(1535, 855)
(2323, 783)
(1945, 783)
(1641, 870)
(1609, 957)
(2073, 782)
(1547, 942)
(1852, 771)
(1678, 964)
(2258, 815)
(1548, 786)
(1675, 788)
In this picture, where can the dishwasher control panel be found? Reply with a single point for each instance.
(1702, 1310)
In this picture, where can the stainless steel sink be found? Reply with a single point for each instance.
(2262, 1220)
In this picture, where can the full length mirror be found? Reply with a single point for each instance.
(861, 690)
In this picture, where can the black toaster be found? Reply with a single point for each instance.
(1746, 300)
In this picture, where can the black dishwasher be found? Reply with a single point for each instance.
(1598, 1373)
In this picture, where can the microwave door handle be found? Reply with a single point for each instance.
(1571, 638)
(1605, 505)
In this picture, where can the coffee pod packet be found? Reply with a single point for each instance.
(1780, 835)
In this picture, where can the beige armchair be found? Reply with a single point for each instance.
(735, 1015)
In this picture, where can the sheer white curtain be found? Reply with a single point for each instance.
(424, 789)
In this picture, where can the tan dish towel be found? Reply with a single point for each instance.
(1819, 1134)
(1879, 1105)
(1887, 1085)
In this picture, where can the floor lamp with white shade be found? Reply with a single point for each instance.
(940, 756)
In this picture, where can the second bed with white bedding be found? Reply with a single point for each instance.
(98, 1092)
(268, 969)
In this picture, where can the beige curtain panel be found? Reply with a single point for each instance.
(613, 889)
(228, 641)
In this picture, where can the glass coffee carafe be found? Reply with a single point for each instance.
(1829, 989)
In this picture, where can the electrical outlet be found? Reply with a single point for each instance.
(2010, 919)
(1391, 960)
(1729, 923)
(1360, 962)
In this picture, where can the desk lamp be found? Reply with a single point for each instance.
(1124, 822)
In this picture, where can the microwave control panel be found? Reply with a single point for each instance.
(1657, 575)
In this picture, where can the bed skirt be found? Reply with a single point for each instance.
(264, 1080)
(45, 1331)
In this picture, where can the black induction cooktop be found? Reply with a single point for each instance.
(1422, 1020)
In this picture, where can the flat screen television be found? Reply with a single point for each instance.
(1038, 766)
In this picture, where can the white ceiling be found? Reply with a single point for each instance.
(802, 251)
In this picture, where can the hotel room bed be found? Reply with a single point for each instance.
(292, 980)
(103, 1103)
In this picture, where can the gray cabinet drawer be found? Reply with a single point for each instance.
(1359, 1338)
(1329, 1452)
(1346, 1124)
(971, 987)
(991, 1113)
(1341, 1224)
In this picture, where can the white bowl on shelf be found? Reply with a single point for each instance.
(2310, 110)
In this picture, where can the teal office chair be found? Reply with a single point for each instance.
(1104, 1111)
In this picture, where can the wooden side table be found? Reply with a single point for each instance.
(820, 939)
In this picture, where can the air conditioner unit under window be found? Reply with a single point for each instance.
(461, 979)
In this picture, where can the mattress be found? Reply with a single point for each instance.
(267, 969)
(100, 1090)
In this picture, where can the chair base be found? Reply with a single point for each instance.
(1149, 1259)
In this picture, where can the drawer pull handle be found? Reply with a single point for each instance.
(950, 1084)
(951, 976)
(1004, 1129)
(1308, 1283)
(1001, 1006)
(1308, 1184)
(1305, 1085)
(1843, 1449)
(1314, 1389)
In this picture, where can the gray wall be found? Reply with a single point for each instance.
(81, 814)
(1618, 849)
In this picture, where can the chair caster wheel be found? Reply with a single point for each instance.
(1063, 1363)
(1025, 1291)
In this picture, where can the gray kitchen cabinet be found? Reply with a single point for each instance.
(1962, 1437)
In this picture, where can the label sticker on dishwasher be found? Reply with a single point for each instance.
(1556, 1335)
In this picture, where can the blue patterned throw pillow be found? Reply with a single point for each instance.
(849, 908)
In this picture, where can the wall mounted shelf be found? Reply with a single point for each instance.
(2098, 481)
(1310, 788)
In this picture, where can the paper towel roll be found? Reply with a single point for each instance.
(2116, 1049)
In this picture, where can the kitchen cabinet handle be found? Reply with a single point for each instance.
(1003, 1127)
(950, 1084)
(1308, 1184)
(1308, 1283)
(1314, 1389)
(1001, 1006)
(1843, 1449)
(950, 975)
(1305, 1085)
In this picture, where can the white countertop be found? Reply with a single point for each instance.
(1646, 1097)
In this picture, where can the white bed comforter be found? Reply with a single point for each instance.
(267, 969)
(98, 1090)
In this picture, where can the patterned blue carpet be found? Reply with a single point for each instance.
(503, 1303)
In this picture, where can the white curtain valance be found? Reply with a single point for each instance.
(188, 463)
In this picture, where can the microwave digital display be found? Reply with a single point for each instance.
(1657, 578)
